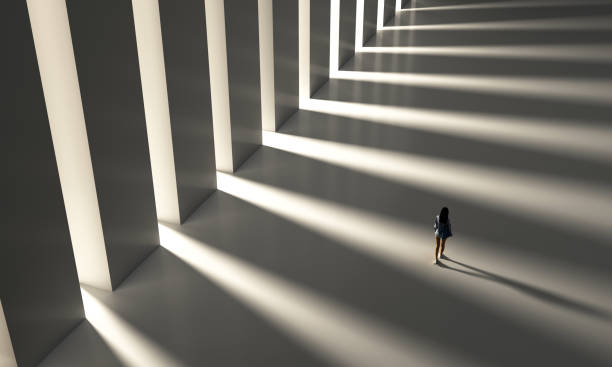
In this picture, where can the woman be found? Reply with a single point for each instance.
(442, 228)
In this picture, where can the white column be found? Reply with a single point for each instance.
(219, 83)
(155, 96)
(56, 62)
(266, 63)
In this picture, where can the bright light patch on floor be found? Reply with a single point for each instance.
(535, 196)
(132, 347)
(542, 135)
(584, 90)
(583, 53)
(345, 224)
(342, 335)
(7, 356)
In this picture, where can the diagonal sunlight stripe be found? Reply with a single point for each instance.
(397, 243)
(509, 4)
(543, 135)
(342, 335)
(595, 53)
(132, 347)
(539, 197)
(585, 90)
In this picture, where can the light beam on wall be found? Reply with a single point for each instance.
(155, 98)
(339, 334)
(53, 43)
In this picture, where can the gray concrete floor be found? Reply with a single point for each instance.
(319, 250)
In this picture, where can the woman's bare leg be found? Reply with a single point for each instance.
(442, 243)
(437, 248)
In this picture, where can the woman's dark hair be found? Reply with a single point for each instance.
(444, 215)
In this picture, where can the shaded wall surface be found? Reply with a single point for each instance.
(286, 63)
(39, 288)
(370, 12)
(319, 43)
(389, 10)
(242, 37)
(183, 27)
(104, 41)
(348, 9)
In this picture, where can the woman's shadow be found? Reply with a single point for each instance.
(530, 290)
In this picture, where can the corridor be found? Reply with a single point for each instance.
(318, 250)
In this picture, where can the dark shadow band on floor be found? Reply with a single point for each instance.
(536, 292)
